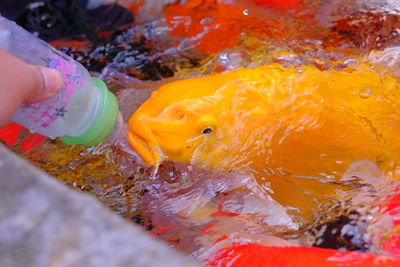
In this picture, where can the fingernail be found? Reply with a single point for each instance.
(53, 80)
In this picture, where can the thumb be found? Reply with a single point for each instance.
(44, 84)
(21, 83)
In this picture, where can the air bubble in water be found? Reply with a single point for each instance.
(246, 12)
(365, 93)
(32, 130)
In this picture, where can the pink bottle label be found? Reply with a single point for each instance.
(47, 112)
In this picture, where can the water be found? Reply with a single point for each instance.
(199, 211)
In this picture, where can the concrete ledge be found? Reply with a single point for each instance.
(44, 223)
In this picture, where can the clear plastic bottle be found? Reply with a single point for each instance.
(84, 112)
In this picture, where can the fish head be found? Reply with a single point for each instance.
(210, 121)
(173, 134)
(177, 119)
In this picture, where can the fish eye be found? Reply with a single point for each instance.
(207, 130)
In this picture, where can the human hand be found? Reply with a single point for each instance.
(21, 83)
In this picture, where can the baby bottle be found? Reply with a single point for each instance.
(83, 112)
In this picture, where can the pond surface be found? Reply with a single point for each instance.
(199, 211)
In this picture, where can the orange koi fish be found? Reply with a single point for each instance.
(300, 131)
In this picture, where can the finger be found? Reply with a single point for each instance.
(21, 83)
(47, 83)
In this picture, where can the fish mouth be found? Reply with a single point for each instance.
(144, 149)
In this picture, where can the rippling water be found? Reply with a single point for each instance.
(199, 211)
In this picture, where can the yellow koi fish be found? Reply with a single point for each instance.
(297, 129)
